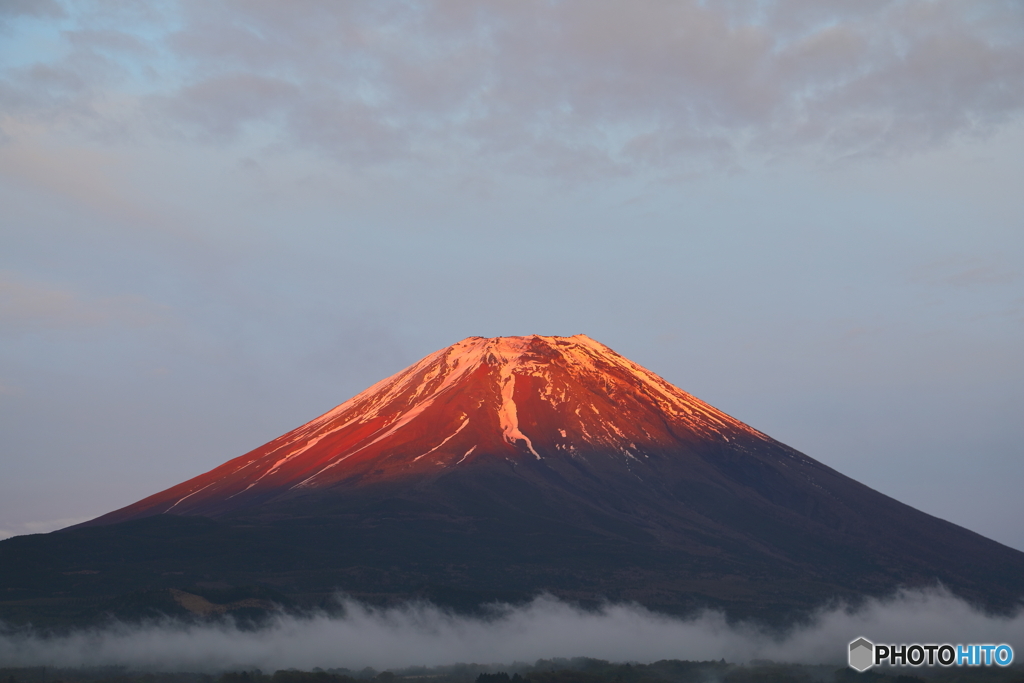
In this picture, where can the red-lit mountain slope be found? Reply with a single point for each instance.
(509, 399)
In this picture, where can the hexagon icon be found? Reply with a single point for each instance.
(862, 654)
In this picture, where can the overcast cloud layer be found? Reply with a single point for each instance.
(556, 87)
(219, 219)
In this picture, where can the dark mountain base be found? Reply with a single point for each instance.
(126, 570)
(498, 535)
(139, 569)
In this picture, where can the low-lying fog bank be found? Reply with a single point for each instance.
(424, 635)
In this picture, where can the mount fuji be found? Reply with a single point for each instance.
(500, 468)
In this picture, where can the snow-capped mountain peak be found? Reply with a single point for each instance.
(481, 399)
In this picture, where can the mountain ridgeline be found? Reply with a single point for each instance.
(498, 468)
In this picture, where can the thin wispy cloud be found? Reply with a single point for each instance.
(966, 271)
(29, 306)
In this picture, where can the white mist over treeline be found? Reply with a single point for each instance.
(423, 634)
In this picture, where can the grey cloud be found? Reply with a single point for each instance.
(71, 91)
(109, 40)
(218, 106)
(545, 628)
(45, 92)
(970, 89)
(107, 44)
(533, 84)
(32, 8)
(614, 78)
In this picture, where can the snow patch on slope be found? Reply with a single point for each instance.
(508, 416)
(189, 496)
(447, 439)
(466, 455)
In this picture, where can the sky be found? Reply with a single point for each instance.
(221, 218)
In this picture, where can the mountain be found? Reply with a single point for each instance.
(498, 468)
(569, 403)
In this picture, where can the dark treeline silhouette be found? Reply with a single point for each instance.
(579, 670)
(287, 676)
(501, 677)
